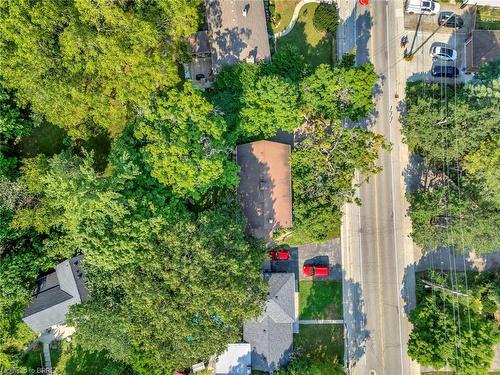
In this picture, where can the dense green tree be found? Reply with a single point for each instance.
(445, 216)
(483, 172)
(184, 299)
(326, 17)
(338, 92)
(92, 64)
(268, 106)
(152, 267)
(288, 63)
(443, 124)
(323, 167)
(255, 101)
(456, 130)
(183, 141)
(13, 123)
(451, 330)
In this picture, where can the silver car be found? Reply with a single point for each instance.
(443, 53)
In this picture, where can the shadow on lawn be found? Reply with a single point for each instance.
(324, 300)
(321, 53)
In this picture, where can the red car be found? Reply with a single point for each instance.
(280, 254)
(316, 270)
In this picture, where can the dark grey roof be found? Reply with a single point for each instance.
(79, 275)
(271, 335)
(47, 293)
(54, 293)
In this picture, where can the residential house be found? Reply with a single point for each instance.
(480, 47)
(237, 31)
(265, 186)
(54, 294)
(271, 335)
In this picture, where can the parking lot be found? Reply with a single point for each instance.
(428, 34)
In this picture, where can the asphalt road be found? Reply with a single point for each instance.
(377, 252)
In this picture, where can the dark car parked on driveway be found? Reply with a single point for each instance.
(449, 19)
(444, 71)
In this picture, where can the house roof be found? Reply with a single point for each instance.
(54, 293)
(271, 335)
(236, 360)
(199, 44)
(235, 36)
(481, 47)
(265, 186)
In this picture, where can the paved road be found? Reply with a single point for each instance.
(376, 247)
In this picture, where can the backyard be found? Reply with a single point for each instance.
(316, 46)
(322, 343)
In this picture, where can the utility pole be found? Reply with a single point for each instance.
(409, 55)
(428, 284)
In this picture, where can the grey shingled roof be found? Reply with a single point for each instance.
(54, 293)
(271, 335)
(234, 36)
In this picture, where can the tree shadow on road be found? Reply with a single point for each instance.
(356, 334)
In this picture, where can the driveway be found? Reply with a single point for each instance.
(326, 253)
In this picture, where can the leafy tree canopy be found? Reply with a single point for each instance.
(190, 288)
(338, 92)
(455, 331)
(269, 105)
(326, 18)
(323, 167)
(183, 142)
(92, 64)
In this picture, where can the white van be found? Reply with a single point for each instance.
(422, 7)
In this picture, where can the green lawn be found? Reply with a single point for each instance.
(315, 45)
(33, 360)
(74, 361)
(285, 9)
(324, 343)
(320, 299)
(488, 18)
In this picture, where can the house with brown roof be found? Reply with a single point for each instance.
(237, 31)
(480, 47)
(265, 188)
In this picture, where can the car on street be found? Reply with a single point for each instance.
(443, 53)
(280, 254)
(313, 270)
(450, 19)
(422, 7)
(444, 71)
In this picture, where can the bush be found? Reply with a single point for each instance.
(326, 18)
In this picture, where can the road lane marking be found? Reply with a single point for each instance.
(393, 192)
